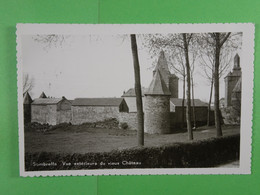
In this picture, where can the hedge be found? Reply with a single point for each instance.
(203, 153)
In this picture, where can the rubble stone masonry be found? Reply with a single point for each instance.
(91, 114)
(157, 114)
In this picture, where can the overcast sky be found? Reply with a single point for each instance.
(86, 67)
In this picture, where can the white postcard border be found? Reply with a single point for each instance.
(81, 29)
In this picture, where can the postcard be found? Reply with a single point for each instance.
(135, 99)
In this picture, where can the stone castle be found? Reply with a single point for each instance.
(162, 106)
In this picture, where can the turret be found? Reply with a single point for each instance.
(162, 66)
(236, 62)
(231, 80)
(157, 106)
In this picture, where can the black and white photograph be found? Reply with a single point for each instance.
(135, 99)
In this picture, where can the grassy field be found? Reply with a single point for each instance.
(81, 139)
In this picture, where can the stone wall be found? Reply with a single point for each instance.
(44, 114)
(157, 113)
(64, 112)
(90, 114)
(201, 117)
(231, 116)
(52, 115)
(39, 113)
(64, 116)
(129, 118)
(64, 105)
(236, 101)
(175, 118)
(230, 83)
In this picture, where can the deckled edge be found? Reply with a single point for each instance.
(186, 171)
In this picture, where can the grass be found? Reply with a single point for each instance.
(81, 139)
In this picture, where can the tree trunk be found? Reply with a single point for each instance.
(216, 86)
(210, 97)
(139, 103)
(193, 102)
(188, 107)
(183, 101)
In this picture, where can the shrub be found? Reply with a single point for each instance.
(34, 126)
(123, 125)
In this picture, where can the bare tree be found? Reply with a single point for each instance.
(217, 41)
(177, 63)
(207, 62)
(186, 41)
(139, 103)
(216, 49)
(28, 83)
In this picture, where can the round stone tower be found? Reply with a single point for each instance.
(157, 106)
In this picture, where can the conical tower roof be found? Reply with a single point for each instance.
(163, 67)
(43, 95)
(27, 98)
(158, 86)
(162, 62)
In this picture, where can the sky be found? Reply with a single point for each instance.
(99, 66)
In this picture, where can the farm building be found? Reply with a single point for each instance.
(51, 110)
(88, 110)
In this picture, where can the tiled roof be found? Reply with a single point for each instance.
(46, 101)
(198, 102)
(162, 62)
(158, 86)
(97, 101)
(131, 92)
